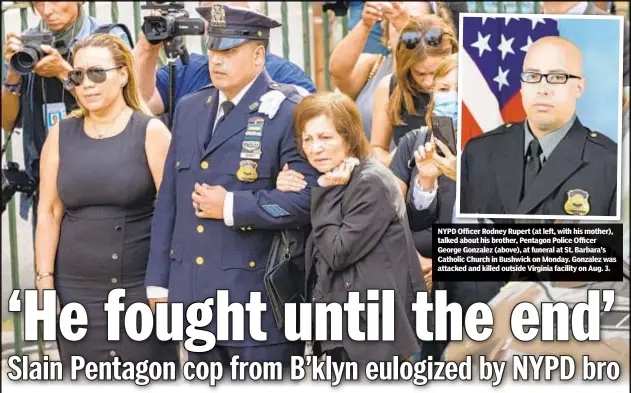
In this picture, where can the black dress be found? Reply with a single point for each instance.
(108, 194)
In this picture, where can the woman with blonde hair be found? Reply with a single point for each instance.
(100, 171)
(357, 74)
(401, 98)
(416, 170)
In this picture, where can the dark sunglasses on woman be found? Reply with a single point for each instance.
(432, 37)
(95, 74)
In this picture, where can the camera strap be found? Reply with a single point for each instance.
(6, 143)
(55, 112)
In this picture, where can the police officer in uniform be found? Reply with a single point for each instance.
(217, 209)
(567, 169)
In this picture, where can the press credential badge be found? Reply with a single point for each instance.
(53, 113)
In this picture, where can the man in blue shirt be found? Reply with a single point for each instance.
(195, 75)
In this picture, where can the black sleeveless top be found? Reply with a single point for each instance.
(412, 122)
(111, 172)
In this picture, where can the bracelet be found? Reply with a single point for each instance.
(43, 275)
(13, 89)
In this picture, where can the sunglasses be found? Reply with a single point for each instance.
(432, 37)
(95, 74)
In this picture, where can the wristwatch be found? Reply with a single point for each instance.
(13, 89)
(68, 84)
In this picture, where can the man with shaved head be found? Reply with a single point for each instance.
(550, 164)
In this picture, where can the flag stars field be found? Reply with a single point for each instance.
(506, 46)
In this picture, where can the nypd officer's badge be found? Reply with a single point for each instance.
(577, 203)
(247, 171)
(218, 16)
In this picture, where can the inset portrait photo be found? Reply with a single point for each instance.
(541, 115)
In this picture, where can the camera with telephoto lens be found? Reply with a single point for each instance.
(30, 54)
(14, 180)
(174, 21)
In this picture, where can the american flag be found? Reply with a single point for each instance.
(491, 63)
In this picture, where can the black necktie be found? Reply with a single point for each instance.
(226, 107)
(533, 164)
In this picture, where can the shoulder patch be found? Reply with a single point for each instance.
(499, 130)
(602, 140)
(291, 92)
(208, 86)
(199, 94)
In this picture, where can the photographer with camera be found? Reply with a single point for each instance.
(35, 91)
(195, 75)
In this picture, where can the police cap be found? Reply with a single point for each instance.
(230, 27)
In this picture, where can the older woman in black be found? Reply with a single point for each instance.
(360, 238)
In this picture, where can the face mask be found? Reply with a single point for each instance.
(446, 104)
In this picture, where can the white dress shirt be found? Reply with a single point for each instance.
(422, 199)
(228, 202)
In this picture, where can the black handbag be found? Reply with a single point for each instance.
(285, 272)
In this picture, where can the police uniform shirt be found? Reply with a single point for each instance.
(547, 142)
(578, 176)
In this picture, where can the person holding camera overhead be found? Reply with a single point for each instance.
(101, 167)
(36, 79)
(196, 74)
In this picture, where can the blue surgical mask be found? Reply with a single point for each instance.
(446, 104)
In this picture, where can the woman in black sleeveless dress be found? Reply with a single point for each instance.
(100, 170)
(402, 97)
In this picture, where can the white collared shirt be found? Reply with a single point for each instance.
(235, 100)
(228, 203)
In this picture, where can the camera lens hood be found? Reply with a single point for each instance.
(25, 60)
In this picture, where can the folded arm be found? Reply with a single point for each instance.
(274, 209)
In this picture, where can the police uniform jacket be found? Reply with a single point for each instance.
(194, 257)
(578, 178)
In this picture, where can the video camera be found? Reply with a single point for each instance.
(14, 180)
(173, 22)
(27, 58)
